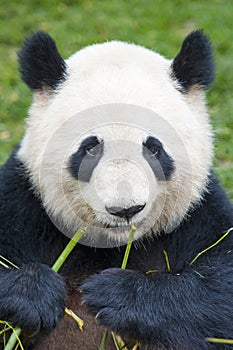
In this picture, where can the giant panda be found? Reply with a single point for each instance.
(116, 135)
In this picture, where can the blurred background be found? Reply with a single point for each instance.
(156, 24)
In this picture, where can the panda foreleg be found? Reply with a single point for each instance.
(170, 311)
(32, 297)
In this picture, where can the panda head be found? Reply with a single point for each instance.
(117, 134)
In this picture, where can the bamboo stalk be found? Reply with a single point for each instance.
(167, 260)
(219, 340)
(211, 246)
(68, 249)
(128, 248)
(14, 338)
(104, 340)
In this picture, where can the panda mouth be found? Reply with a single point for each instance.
(122, 226)
(119, 226)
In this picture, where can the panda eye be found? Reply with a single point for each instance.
(91, 146)
(92, 151)
(83, 162)
(153, 146)
(153, 151)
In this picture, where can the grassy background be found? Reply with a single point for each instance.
(159, 24)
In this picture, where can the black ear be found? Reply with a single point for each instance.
(40, 63)
(194, 65)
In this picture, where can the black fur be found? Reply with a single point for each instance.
(174, 310)
(194, 65)
(32, 297)
(158, 159)
(41, 65)
(82, 164)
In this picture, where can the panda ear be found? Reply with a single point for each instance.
(194, 64)
(41, 66)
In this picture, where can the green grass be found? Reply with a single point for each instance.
(159, 24)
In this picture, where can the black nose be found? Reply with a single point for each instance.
(126, 213)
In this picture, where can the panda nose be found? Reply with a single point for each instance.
(126, 213)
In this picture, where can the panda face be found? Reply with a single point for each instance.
(114, 138)
(118, 171)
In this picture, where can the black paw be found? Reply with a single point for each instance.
(114, 297)
(33, 297)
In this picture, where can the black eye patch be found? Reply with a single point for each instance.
(158, 159)
(83, 162)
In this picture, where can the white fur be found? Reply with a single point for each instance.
(122, 93)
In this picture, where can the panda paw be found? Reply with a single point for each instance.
(114, 297)
(32, 297)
